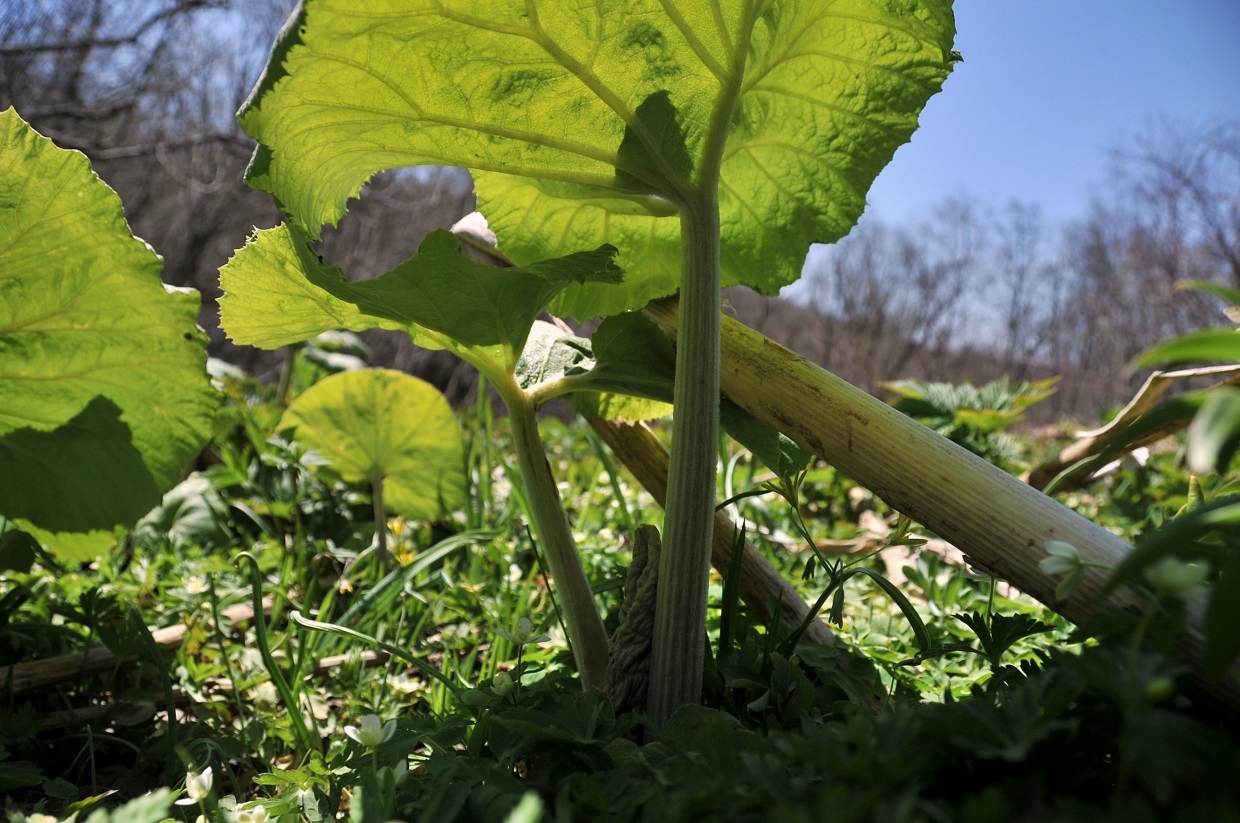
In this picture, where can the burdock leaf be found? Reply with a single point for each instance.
(91, 343)
(381, 425)
(277, 291)
(588, 125)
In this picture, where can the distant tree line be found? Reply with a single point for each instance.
(973, 293)
(148, 90)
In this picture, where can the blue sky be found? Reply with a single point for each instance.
(1048, 88)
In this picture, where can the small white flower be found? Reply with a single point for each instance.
(196, 584)
(503, 684)
(258, 814)
(404, 684)
(373, 732)
(1063, 561)
(1061, 558)
(501, 487)
(197, 787)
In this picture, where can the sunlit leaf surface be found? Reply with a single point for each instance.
(384, 425)
(90, 342)
(606, 115)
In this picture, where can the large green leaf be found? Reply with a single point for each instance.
(277, 291)
(474, 304)
(90, 341)
(270, 299)
(57, 476)
(385, 426)
(586, 125)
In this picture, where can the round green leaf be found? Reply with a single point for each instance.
(91, 343)
(385, 426)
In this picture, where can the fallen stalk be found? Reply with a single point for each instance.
(998, 522)
(39, 674)
(1001, 524)
(1096, 442)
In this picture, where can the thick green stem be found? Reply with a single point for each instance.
(581, 616)
(680, 629)
(376, 493)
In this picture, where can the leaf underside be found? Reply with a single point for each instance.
(277, 292)
(63, 471)
(584, 128)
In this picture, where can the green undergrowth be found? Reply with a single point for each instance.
(991, 709)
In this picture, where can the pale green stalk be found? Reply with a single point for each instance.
(581, 617)
(678, 645)
(679, 642)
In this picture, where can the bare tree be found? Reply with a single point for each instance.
(1029, 279)
(148, 90)
(892, 297)
(1190, 178)
(1170, 216)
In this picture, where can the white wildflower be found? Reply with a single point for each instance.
(258, 814)
(372, 732)
(197, 787)
(196, 584)
(1061, 558)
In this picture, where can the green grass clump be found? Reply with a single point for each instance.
(442, 689)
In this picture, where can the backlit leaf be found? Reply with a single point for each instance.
(90, 341)
(1212, 345)
(270, 300)
(590, 125)
(1214, 434)
(277, 291)
(385, 425)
